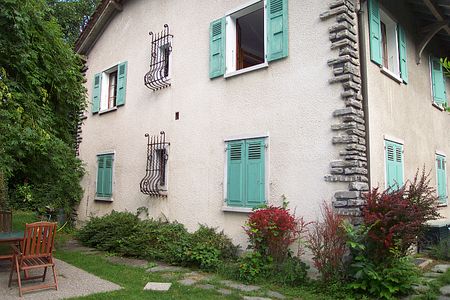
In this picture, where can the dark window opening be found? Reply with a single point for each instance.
(384, 45)
(250, 39)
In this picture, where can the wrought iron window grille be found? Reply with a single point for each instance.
(159, 75)
(154, 182)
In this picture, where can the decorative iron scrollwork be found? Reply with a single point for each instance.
(159, 75)
(154, 183)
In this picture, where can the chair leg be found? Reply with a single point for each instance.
(12, 270)
(54, 275)
(19, 281)
(45, 273)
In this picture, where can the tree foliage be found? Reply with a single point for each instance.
(41, 94)
(72, 15)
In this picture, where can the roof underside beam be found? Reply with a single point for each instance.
(431, 30)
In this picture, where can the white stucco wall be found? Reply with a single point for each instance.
(291, 100)
(404, 111)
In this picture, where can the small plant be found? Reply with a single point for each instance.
(327, 242)
(441, 250)
(253, 265)
(272, 230)
(381, 279)
(210, 236)
(397, 217)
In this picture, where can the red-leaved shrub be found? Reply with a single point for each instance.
(327, 242)
(272, 230)
(396, 218)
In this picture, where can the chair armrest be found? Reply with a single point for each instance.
(16, 250)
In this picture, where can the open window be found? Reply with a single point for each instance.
(109, 88)
(389, 43)
(248, 37)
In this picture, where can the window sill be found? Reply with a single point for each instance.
(391, 75)
(246, 70)
(237, 209)
(103, 199)
(440, 107)
(107, 110)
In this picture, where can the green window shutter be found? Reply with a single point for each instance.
(235, 173)
(104, 175)
(121, 83)
(402, 53)
(100, 175)
(394, 165)
(441, 179)
(438, 81)
(217, 48)
(96, 93)
(107, 176)
(376, 55)
(399, 164)
(255, 173)
(277, 29)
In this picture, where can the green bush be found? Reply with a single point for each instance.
(125, 234)
(253, 266)
(219, 240)
(108, 233)
(441, 251)
(383, 280)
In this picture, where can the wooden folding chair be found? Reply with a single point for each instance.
(35, 252)
(5, 221)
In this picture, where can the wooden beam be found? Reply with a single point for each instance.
(432, 7)
(433, 29)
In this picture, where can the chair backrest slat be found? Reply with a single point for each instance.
(5, 221)
(38, 239)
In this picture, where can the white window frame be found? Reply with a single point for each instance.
(230, 40)
(105, 199)
(264, 136)
(392, 44)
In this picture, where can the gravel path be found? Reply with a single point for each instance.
(72, 282)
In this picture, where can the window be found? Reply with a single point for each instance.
(109, 88)
(441, 178)
(245, 181)
(394, 164)
(158, 77)
(387, 42)
(155, 181)
(104, 177)
(248, 38)
(438, 82)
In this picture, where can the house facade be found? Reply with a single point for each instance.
(230, 105)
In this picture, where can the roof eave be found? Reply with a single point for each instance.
(100, 19)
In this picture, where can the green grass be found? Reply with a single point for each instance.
(434, 285)
(20, 218)
(133, 280)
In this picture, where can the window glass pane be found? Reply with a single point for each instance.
(250, 39)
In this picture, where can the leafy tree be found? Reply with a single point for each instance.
(41, 95)
(446, 65)
(72, 15)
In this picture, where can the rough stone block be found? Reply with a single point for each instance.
(345, 111)
(440, 268)
(355, 132)
(347, 194)
(343, 163)
(343, 43)
(339, 203)
(353, 103)
(351, 171)
(337, 171)
(344, 139)
(344, 126)
(276, 295)
(355, 147)
(356, 202)
(358, 186)
(346, 18)
(336, 11)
